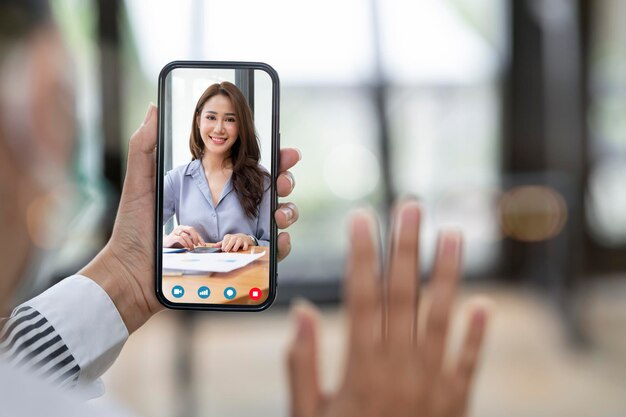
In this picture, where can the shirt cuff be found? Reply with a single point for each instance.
(89, 324)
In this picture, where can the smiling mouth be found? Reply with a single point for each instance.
(218, 141)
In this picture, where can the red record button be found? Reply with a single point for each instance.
(255, 293)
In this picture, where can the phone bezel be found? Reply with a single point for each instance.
(275, 152)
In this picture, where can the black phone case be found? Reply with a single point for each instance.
(274, 173)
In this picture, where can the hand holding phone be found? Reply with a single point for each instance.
(125, 268)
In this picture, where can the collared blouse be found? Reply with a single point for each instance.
(186, 194)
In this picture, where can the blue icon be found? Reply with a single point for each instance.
(230, 293)
(204, 292)
(178, 291)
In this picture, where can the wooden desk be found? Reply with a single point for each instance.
(255, 274)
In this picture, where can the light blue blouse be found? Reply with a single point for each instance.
(186, 193)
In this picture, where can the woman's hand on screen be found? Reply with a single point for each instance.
(183, 237)
(234, 242)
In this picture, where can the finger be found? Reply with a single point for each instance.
(288, 158)
(193, 237)
(304, 388)
(284, 245)
(237, 244)
(186, 241)
(190, 243)
(285, 183)
(444, 284)
(193, 234)
(198, 238)
(147, 138)
(228, 243)
(178, 230)
(245, 244)
(470, 350)
(286, 215)
(362, 283)
(140, 169)
(403, 276)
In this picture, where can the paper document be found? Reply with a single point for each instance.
(174, 250)
(207, 262)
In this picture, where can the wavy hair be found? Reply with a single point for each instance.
(247, 178)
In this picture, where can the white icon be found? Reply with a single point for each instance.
(229, 293)
(255, 293)
(204, 292)
(177, 291)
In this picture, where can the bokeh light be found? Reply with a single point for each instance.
(532, 213)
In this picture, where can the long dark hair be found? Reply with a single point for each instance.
(248, 178)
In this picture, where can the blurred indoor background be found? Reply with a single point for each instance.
(507, 119)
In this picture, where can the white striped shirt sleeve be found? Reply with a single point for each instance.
(31, 343)
(69, 336)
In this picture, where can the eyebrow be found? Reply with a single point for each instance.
(214, 112)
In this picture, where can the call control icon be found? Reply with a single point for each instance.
(255, 293)
(178, 291)
(230, 293)
(204, 292)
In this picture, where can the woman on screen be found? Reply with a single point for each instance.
(223, 195)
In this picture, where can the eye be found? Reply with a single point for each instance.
(210, 117)
(231, 120)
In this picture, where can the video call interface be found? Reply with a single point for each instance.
(216, 195)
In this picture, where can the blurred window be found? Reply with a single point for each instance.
(606, 200)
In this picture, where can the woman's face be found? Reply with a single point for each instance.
(218, 124)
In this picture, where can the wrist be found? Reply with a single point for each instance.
(117, 281)
(253, 240)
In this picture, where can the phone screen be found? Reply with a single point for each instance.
(217, 161)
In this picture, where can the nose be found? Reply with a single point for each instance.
(218, 127)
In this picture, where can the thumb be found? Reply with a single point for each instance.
(141, 168)
(305, 395)
(146, 134)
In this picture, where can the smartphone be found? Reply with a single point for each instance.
(217, 163)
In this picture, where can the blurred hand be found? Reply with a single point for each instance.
(125, 267)
(234, 242)
(395, 367)
(183, 237)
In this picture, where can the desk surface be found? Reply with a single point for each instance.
(253, 275)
